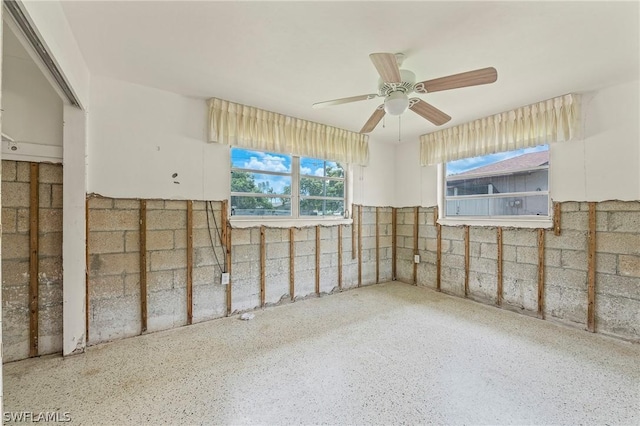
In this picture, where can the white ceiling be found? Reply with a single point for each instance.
(284, 56)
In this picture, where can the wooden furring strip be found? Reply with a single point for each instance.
(467, 260)
(416, 214)
(340, 257)
(34, 209)
(263, 261)
(353, 232)
(438, 256)
(86, 271)
(541, 273)
(223, 221)
(591, 269)
(189, 262)
(292, 263)
(377, 244)
(394, 222)
(143, 265)
(360, 245)
(228, 268)
(318, 260)
(556, 219)
(499, 291)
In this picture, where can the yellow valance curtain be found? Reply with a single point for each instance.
(254, 128)
(553, 120)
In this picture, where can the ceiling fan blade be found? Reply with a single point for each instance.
(344, 100)
(428, 111)
(373, 121)
(465, 79)
(387, 67)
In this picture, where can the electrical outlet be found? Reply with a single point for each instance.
(416, 258)
(225, 278)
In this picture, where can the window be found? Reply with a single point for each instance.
(512, 184)
(279, 185)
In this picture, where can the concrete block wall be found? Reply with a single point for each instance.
(245, 269)
(617, 301)
(114, 266)
(15, 259)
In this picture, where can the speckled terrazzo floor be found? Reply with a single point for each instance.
(383, 354)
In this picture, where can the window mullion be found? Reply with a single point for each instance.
(295, 187)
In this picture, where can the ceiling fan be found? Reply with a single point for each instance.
(396, 84)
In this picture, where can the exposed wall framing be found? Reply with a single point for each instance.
(34, 209)
(591, 269)
(189, 262)
(143, 265)
(541, 273)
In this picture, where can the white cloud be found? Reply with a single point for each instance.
(319, 171)
(305, 170)
(266, 162)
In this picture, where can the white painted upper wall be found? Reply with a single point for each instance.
(50, 22)
(31, 108)
(140, 136)
(603, 165)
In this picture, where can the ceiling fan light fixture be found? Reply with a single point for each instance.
(396, 103)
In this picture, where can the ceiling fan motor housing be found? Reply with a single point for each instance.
(405, 86)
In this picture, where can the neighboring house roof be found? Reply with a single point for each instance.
(515, 164)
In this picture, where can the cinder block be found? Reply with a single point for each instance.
(132, 241)
(240, 236)
(22, 220)
(167, 259)
(166, 219)
(489, 250)
(132, 284)
(23, 171)
(520, 237)
(607, 263)
(456, 247)
(618, 316)
(180, 278)
(630, 266)
(8, 170)
(126, 204)
(112, 220)
(483, 234)
(209, 302)
(106, 242)
(452, 261)
(44, 195)
(166, 309)
(577, 221)
(50, 173)
(404, 230)
(483, 285)
(50, 244)
(574, 259)
(618, 206)
(453, 233)
(15, 246)
(9, 220)
(277, 250)
(569, 278)
(520, 271)
(56, 196)
(245, 253)
(106, 287)
(566, 304)
(159, 280)
(50, 294)
(569, 240)
(160, 240)
(99, 203)
(482, 265)
(619, 286)
(206, 275)
(49, 270)
(527, 255)
(15, 194)
(452, 281)
(15, 272)
(50, 220)
(155, 205)
(552, 257)
(624, 222)
(114, 264)
(569, 206)
(175, 205)
(114, 319)
(616, 242)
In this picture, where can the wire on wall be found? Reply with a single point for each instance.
(209, 206)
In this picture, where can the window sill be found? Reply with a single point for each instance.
(545, 223)
(252, 222)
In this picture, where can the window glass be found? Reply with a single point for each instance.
(268, 184)
(514, 183)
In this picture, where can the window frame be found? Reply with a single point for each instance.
(295, 197)
(521, 221)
